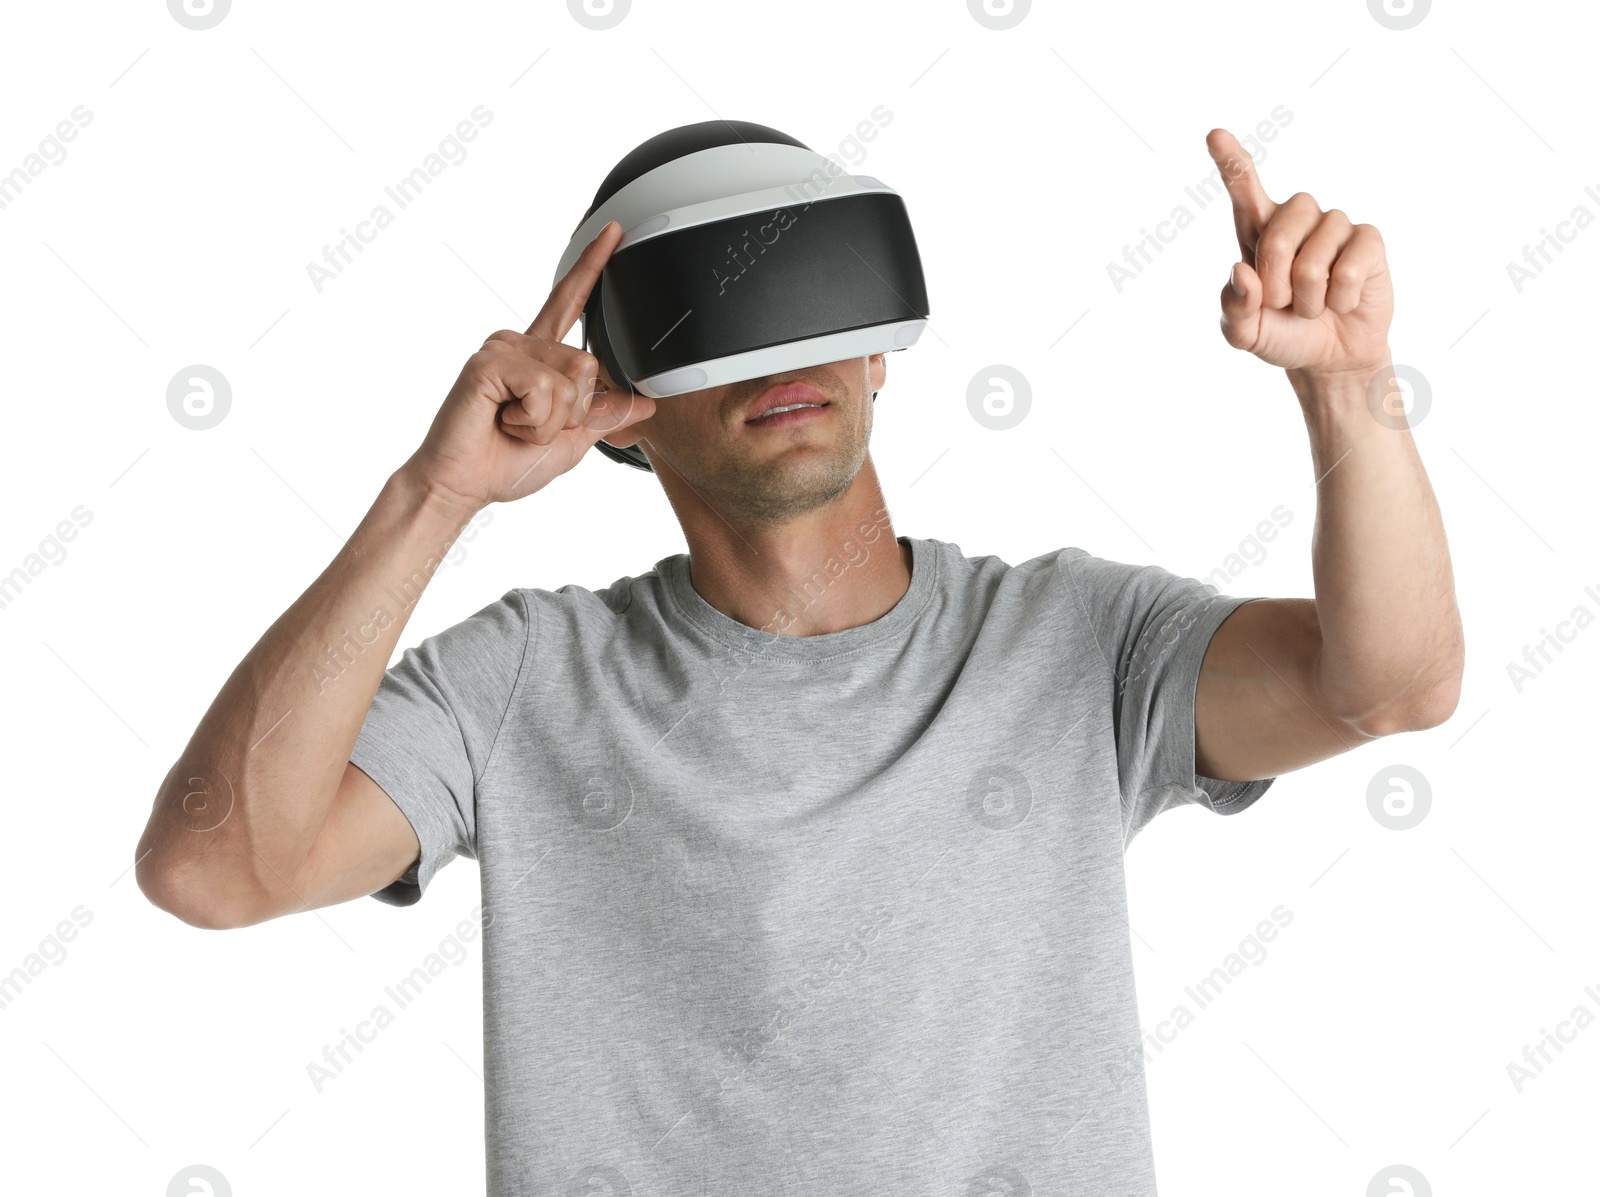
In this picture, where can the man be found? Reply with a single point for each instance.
(802, 853)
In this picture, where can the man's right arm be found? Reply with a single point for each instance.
(264, 814)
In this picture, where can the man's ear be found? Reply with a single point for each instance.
(877, 370)
(625, 438)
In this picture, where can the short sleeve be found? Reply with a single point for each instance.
(432, 728)
(1153, 628)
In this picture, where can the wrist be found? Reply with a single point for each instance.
(437, 500)
(1344, 388)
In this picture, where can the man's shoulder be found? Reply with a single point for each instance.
(1042, 568)
(622, 594)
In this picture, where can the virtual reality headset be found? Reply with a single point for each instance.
(744, 253)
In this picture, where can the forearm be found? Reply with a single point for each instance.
(1391, 638)
(239, 811)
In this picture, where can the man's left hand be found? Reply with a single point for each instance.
(1313, 292)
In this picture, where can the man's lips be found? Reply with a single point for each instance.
(786, 395)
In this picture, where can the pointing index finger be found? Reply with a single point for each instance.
(1251, 207)
(567, 300)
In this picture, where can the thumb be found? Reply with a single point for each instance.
(1241, 307)
(613, 412)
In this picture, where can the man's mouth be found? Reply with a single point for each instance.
(785, 404)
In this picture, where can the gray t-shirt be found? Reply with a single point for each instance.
(841, 914)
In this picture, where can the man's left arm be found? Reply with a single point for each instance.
(1287, 682)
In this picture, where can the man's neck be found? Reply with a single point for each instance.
(838, 568)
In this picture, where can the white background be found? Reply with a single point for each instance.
(218, 163)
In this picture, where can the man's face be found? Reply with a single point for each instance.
(760, 472)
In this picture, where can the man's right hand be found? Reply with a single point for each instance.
(527, 407)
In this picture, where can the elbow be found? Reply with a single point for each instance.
(186, 899)
(1439, 699)
(1426, 699)
(1414, 697)
(1440, 706)
(1412, 713)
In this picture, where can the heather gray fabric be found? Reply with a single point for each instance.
(839, 914)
